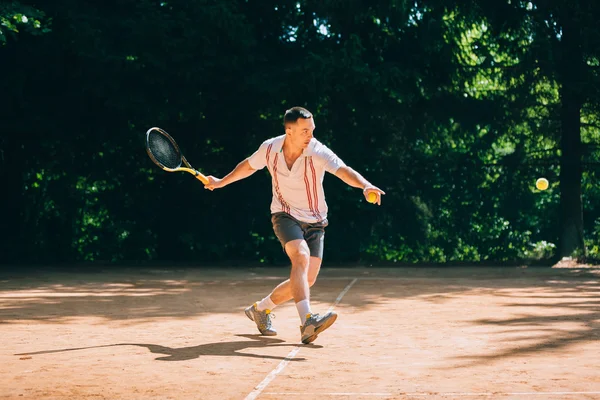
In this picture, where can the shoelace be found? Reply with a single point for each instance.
(266, 320)
(269, 319)
(314, 316)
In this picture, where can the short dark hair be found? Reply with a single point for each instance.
(294, 113)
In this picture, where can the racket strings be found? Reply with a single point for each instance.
(163, 150)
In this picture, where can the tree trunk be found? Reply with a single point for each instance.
(571, 207)
(12, 162)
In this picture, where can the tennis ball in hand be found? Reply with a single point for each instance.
(372, 197)
(541, 184)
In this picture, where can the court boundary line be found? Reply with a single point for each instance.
(367, 278)
(426, 394)
(258, 389)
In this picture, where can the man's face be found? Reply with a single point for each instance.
(301, 132)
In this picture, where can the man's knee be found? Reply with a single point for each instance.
(298, 252)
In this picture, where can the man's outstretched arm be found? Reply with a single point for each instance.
(354, 179)
(241, 171)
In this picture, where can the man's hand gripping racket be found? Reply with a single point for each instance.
(165, 153)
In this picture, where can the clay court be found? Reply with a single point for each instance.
(402, 333)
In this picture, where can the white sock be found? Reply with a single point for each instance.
(266, 304)
(303, 309)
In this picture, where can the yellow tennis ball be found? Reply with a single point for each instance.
(372, 197)
(541, 184)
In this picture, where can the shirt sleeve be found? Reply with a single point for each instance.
(258, 160)
(330, 161)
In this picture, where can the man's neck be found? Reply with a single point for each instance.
(290, 151)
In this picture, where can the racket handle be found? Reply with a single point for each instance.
(201, 178)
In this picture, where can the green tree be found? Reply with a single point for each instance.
(454, 108)
(563, 48)
(16, 17)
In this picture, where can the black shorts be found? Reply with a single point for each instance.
(288, 228)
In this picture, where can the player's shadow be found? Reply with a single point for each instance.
(209, 349)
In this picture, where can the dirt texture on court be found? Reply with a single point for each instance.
(402, 333)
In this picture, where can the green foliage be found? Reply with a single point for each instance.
(453, 108)
(17, 18)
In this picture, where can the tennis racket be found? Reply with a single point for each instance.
(165, 153)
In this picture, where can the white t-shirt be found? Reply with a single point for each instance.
(299, 191)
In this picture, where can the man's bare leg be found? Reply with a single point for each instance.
(299, 254)
(303, 275)
(283, 292)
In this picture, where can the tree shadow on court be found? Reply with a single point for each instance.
(226, 349)
(539, 330)
(137, 295)
(134, 297)
(130, 298)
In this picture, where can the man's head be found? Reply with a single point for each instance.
(299, 126)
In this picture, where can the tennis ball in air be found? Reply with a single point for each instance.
(372, 197)
(541, 184)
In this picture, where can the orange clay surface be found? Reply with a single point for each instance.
(404, 333)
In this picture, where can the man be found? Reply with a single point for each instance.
(297, 163)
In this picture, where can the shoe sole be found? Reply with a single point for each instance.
(320, 329)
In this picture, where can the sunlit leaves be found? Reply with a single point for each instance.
(16, 18)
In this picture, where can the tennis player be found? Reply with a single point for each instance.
(297, 163)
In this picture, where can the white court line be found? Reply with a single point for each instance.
(330, 278)
(364, 394)
(341, 278)
(422, 394)
(273, 374)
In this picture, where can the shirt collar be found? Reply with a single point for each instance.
(308, 151)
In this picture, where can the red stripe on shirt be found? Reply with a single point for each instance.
(307, 184)
(316, 194)
(284, 205)
(268, 153)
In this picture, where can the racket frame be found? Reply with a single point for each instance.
(189, 169)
